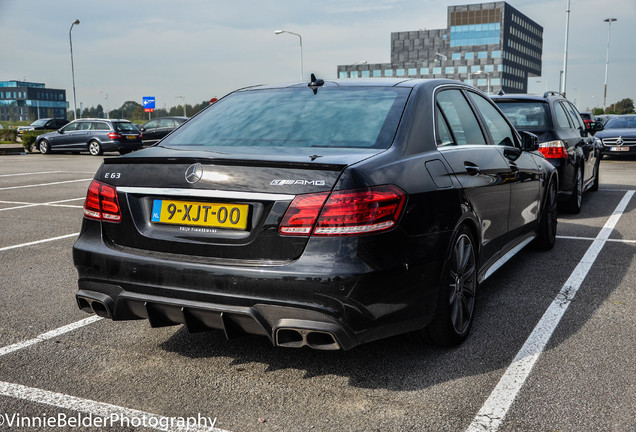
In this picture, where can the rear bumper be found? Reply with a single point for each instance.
(283, 325)
(313, 301)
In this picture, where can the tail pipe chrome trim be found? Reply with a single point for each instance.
(97, 303)
(293, 333)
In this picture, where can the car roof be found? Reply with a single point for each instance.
(363, 82)
(102, 119)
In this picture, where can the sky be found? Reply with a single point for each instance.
(190, 51)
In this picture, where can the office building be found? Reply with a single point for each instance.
(28, 101)
(492, 46)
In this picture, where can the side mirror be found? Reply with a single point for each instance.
(529, 141)
(595, 127)
(60, 130)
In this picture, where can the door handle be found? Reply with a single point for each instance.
(471, 168)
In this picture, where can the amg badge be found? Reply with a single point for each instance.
(297, 182)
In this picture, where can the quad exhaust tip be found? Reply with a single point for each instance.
(298, 338)
(101, 307)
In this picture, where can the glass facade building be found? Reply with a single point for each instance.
(28, 101)
(492, 46)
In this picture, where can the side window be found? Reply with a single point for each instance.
(70, 127)
(461, 119)
(444, 137)
(165, 123)
(100, 126)
(86, 126)
(151, 125)
(574, 115)
(561, 116)
(500, 130)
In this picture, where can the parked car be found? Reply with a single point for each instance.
(324, 215)
(603, 118)
(92, 135)
(153, 130)
(43, 124)
(564, 139)
(587, 117)
(619, 135)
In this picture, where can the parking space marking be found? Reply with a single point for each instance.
(6, 248)
(101, 409)
(492, 413)
(592, 239)
(21, 205)
(33, 173)
(45, 184)
(48, 335)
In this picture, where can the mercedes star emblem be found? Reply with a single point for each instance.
(619, 141)
(194, 173)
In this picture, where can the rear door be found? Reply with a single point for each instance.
(586, 142)
(525, 177)
(479, 167)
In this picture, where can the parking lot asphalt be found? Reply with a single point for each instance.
(552, 347)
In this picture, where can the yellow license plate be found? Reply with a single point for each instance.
(131, 137)
(213, 215)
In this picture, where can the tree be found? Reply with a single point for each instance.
(625, 106)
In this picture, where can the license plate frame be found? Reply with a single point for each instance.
(200, 214)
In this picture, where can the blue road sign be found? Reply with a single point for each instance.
(149, 102)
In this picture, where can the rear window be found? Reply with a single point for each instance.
(125, 127)
(364, 117)
(530, 115)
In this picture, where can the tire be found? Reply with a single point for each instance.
(573, 205)
(456, 299)
(546, 233)
(44, 147)
(95, 148)
(597, 172)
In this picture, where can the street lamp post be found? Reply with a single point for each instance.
(609, 21)
(479, 72)
(70, 40)
(301, 48)
(565, 50)
(442, 59)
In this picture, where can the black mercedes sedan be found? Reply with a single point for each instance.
(619, 136)
(321, 214)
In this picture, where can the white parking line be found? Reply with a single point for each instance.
(492, 413)
(31, 173)
(21, 205)
(105, 410)
(48, 335)
(45, 184)
(6, 248)
(592, 239)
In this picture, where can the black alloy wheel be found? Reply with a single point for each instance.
(576, 199)
(546, 233)
(456, 302)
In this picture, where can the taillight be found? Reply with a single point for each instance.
(115, 135)
(553, 149)
(101, 203)
(348, 212)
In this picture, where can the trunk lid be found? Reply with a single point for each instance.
(216, 205)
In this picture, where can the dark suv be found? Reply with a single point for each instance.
(43, 123)
(93, 135)
(565, 140)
